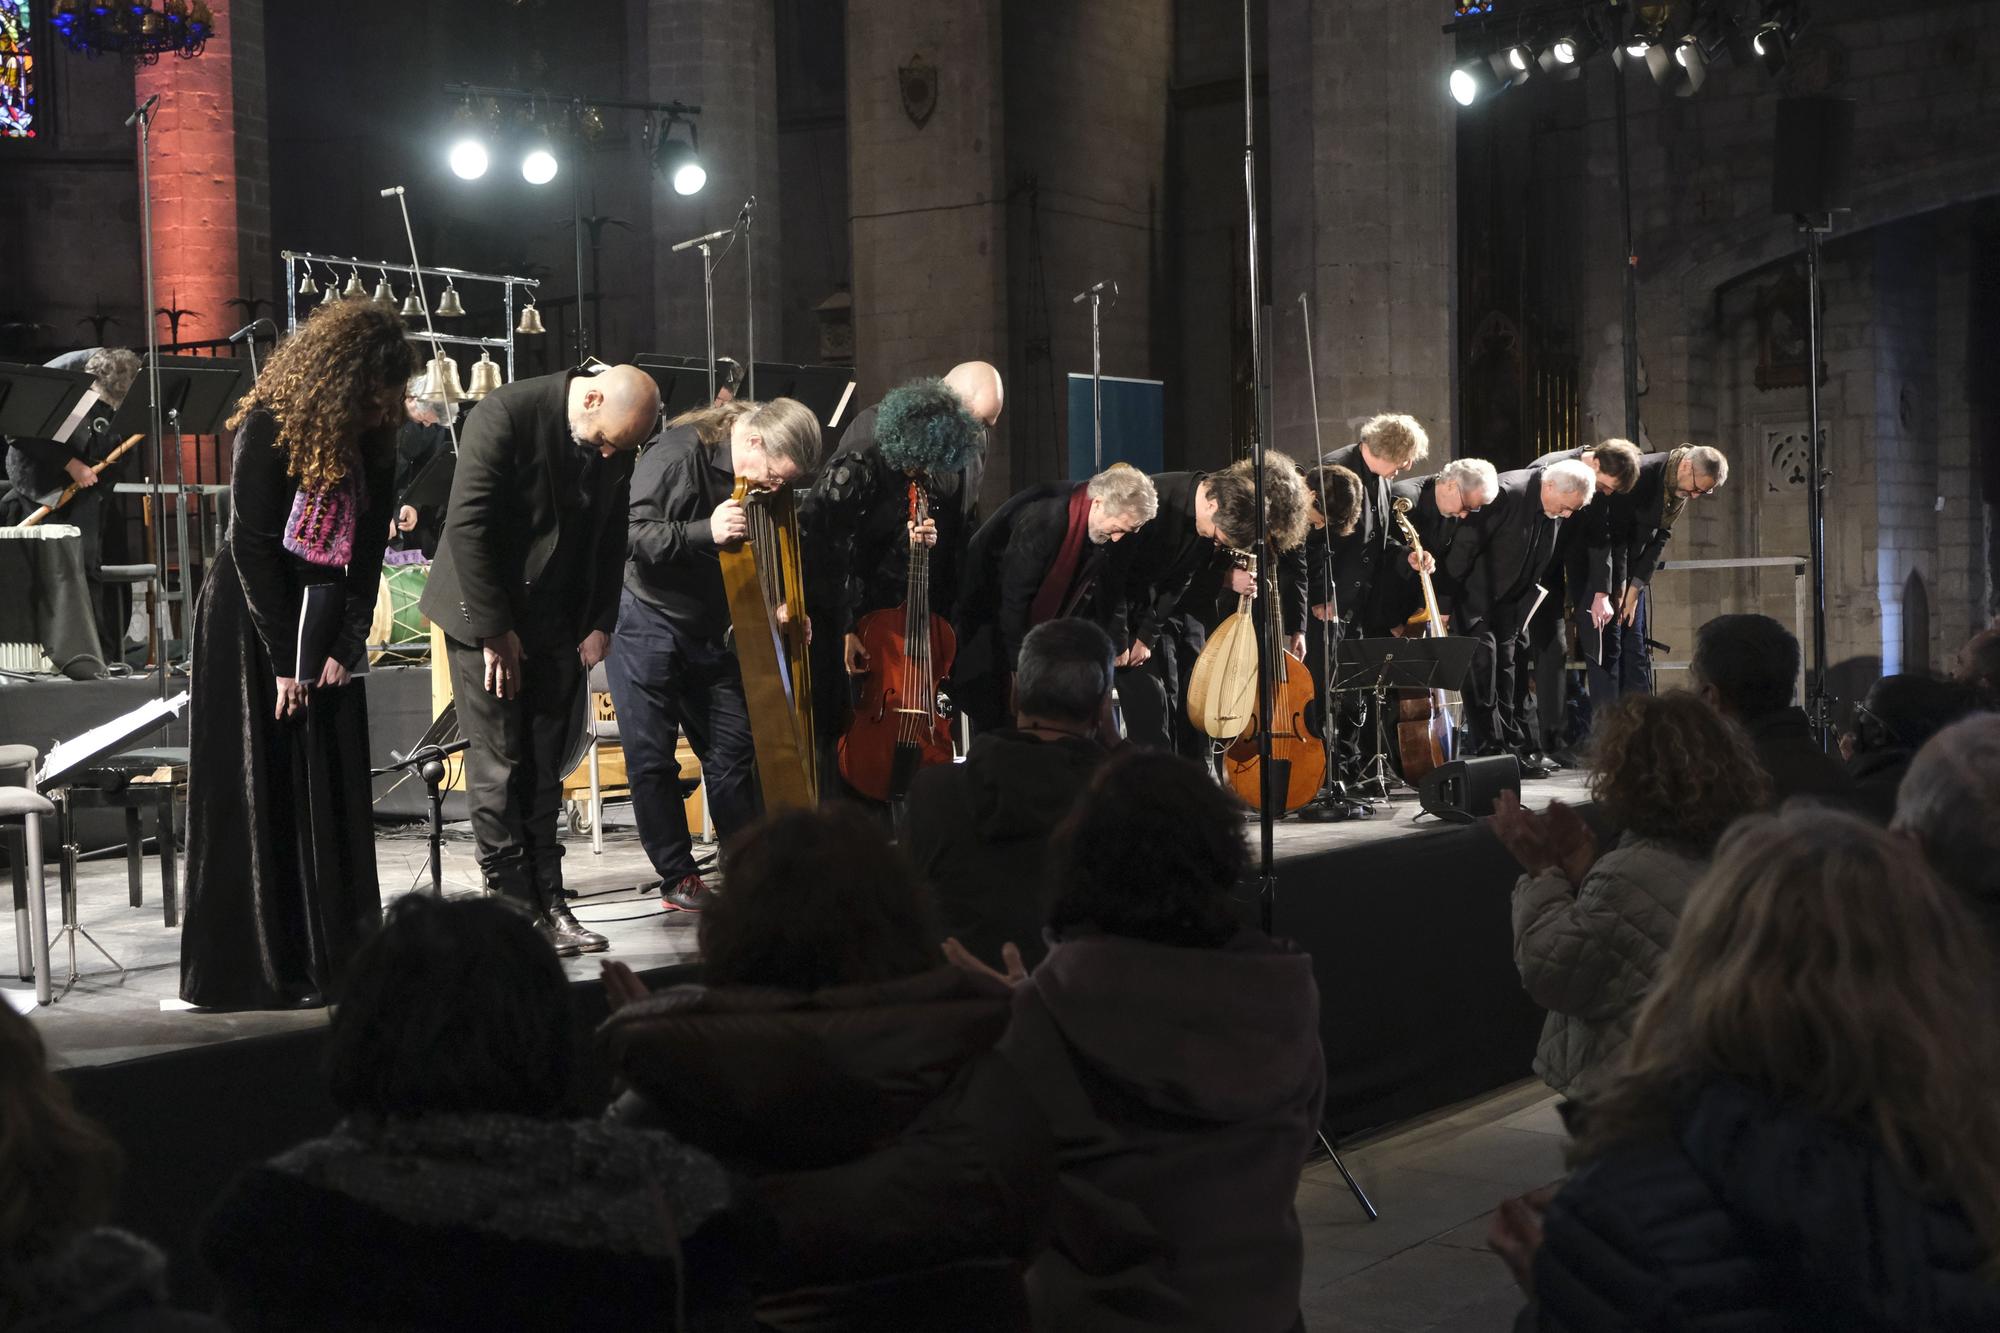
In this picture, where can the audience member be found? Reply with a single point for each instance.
(1590, 931)
(1978, 666)
(452, 1195)
(1178, 1057)
(830, 1058)
(979, 831)
(61, 1268)
(1890, 725)
(1950, 803)
(1804, 1134)
(1747, 666)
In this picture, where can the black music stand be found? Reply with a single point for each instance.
(1377, 666)
(198, 392)
(37, 403)
(682, 388)
(827, 390)
(431, 487)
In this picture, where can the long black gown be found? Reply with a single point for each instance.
(281, 851)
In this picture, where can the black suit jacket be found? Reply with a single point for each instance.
(1006, 562)
(504, 520)
(1503, 550)
(1438, 535)
(1155, 565)
(1360, 557)
(1641, 521)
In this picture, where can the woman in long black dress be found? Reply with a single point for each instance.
(281, 850)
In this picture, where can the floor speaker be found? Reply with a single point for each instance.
(1464, 789)
(1813, 158)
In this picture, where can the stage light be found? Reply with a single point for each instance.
(677, 161)
(1563, 58)
(538, 164)
(1693, 65)
(1471, 81)
(1772, 46)
(1520, 59)
(468, 159)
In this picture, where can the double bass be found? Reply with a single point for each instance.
(898, 726)
(1287, 682)
(1423, 723)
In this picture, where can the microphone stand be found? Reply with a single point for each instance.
(708, 266)
(749, 307)
(1096, 295)
(427, 762)
(450, 412)
(143, 118)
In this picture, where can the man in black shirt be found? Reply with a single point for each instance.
(525, 591)
(673, 668)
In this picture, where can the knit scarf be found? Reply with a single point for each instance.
(320, 530)
(1048, 603)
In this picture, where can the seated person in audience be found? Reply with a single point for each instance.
(61, 1267)
(1747, 667)
(1978, 666)
(1177, 1054)
(1898, 716)
(452, 1194)
(1590, 931)
(836, 1061)
(1804, 1134)
(1949, 802)
(979, 831)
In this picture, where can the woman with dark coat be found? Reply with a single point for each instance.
(854, 1080)
(281, 841)
(1177, 1055)
(453, 1194)
(1805, 1134)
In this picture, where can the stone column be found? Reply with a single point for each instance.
(928, 200)
(1362, 164)
(211, 179)
(719, 56)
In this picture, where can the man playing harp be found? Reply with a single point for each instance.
(673, 667)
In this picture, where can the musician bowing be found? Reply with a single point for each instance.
(525, 591)
(1438, 503)
(673, 668)
(1040, 557)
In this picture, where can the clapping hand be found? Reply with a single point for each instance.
(962, 958)
(621, 985)
(1516, 1233)
(1555, 840)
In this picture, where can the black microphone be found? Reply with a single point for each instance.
(251, 328)
(749, 207)
(142, 109)
(1094, 290)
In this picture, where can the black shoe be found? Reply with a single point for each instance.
(1535, 766)
(565, 945)
(1566, 758)
(689, 893)
(573, 931)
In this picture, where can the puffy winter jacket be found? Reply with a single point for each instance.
(1755, 1218)
(1589, 955)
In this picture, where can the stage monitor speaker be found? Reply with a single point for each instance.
(1464, 789)
(1813, 157)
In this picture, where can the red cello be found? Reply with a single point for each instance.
(897, 728)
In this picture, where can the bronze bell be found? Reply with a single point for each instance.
(353, 287)
(448, 304)
(384, 293)
(485, 377)
(307, 287)
(412, 307)
(531, 320)
(441, 383)
(332, 293)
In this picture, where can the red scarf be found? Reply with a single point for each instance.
(1048, 603)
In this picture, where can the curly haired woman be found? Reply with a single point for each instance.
(281, 854)
(1590, 931)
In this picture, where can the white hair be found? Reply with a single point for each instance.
(1124, 489)
(1571, 476)
(1472, 476)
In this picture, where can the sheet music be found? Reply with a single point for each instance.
(840, 411)
(1541, 594)
(76, 416)
(78, 751)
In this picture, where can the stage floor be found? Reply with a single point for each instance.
(110, 1017)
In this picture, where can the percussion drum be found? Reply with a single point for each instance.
(399, 632)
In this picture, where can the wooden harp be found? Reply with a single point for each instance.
(760, 576)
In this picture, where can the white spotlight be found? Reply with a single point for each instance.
(538, 167)
(468, 159)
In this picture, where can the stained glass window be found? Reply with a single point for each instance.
(17, 71)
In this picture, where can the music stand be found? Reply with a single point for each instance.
(37, 403)
(775, 380)
(1377, 666)
(431, 487)
(827, 390)
(682, 388)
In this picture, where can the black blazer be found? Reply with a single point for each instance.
(1504, 548)
(1361, 555)
(1438, 534)
(1156, 564)
(1641, 521)
(1009, 557)
(503, 522)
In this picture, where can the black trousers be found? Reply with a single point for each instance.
(1628, 664)
(1548, 647)
(1175, 648)
(515, 766)
(665, 683)
(1493, 708)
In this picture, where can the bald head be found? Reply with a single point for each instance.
(614, 411)
(977, 384)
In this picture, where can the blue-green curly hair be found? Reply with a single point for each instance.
(923, 426)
